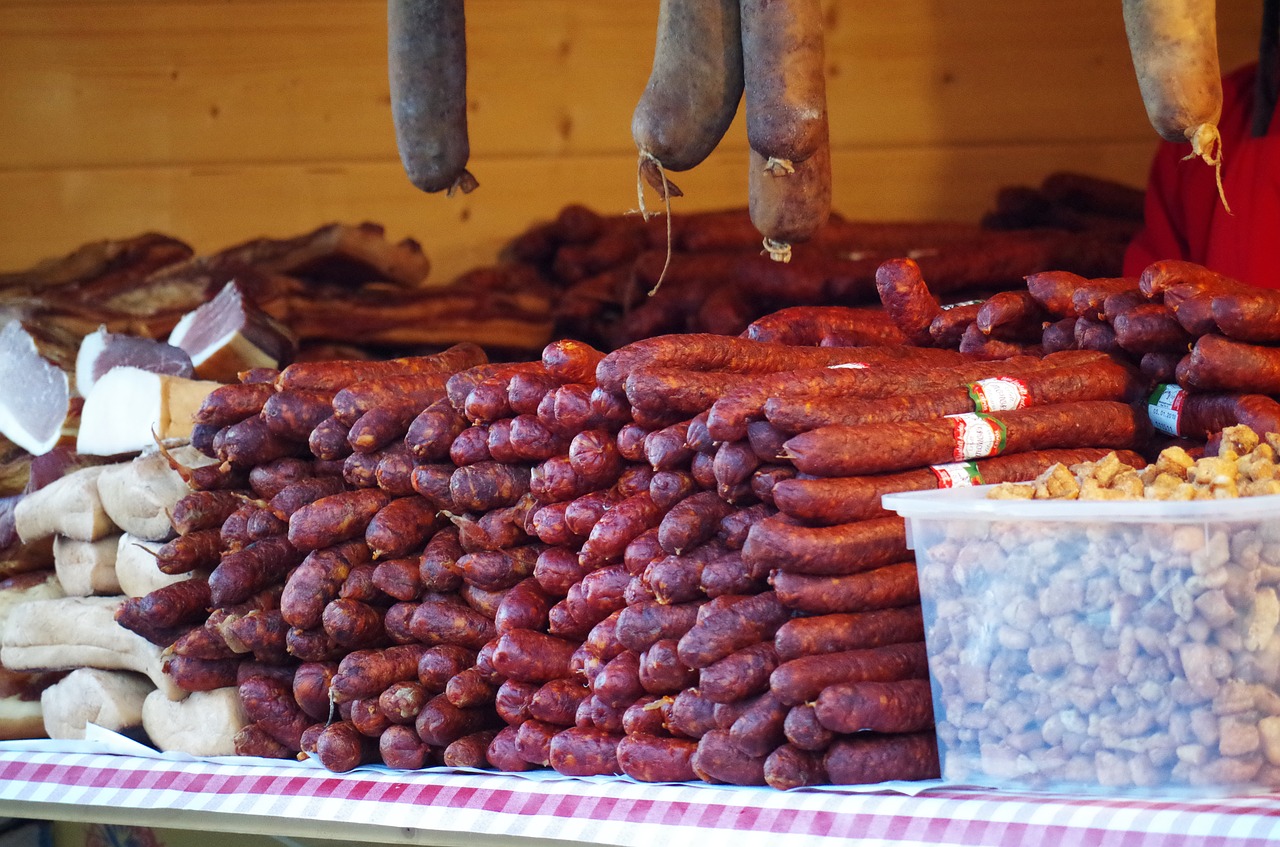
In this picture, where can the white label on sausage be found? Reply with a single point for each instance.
(1164, 407)
(976, 436)
(957, 475)
(999, 394)
(855, 365)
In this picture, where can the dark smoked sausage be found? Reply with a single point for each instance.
(801, 680)
(835, 500)
(832, 550)
(873, 448)
(871, 757)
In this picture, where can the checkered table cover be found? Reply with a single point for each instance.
(419, 806)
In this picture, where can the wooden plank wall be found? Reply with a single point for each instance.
(221, 120)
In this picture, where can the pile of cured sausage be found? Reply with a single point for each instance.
(1209, 341)
(668, 562)
(619, 278)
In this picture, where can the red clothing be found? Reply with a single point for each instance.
(1184, 219)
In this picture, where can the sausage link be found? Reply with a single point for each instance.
(758, 731)
(898, 706)
(630, 441)
(907, 299)
(435, 623)
(673, 391)
(241, 574)
(803, 730)
(427, 49)
(718, 760)
(438, 566)
(556, 701)
(512, 699)
(488, 400)
(740, 675)
(594, 713)
(730, 575)
(662, 672)
(400, 748)
(198, 550)
(640, 626)
(881, 588)
(401, 701)
(728, 417)
(748, 622)
(816, 326)
(1103, 381)
(642, 550)
(618, 685)
(204, 510)
(580, 751)
(440, 723)
(678, 578)
(594, 455)
(836, 500)
(530, 656)
(874, 448)
(328, 441)
(1150, 328)
(789, 767)
(694, 87)
(709, 352)
(503, 754)
(870, 758)
(834, 550)
(652, 758)
(336, 518)
(381, 427)
(526, 390)
(1216, 363)
(803, 679)
(401, 527)
(230, 404)
(691, 714)
(470, 751)
(437, 665)
(483, 486)
(581, 514)
(340, 747)
(469, 689)
(833, 633)
(1053, 290)
(1059, 335)
(617, 527)
(1012, 316)
(667, 448)
(691, 522)
(525, 606)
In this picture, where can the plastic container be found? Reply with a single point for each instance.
(1118, 646)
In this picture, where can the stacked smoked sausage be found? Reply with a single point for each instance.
(668, 562)
(714, 279)
(1205, 341)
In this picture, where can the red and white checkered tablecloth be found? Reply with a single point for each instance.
(431, 807)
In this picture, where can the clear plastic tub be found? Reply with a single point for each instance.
(1101, 645)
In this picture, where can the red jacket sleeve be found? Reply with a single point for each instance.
(1185, 219)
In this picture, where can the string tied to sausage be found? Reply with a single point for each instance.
(1206, 144)
(779, 251)
(779, 167)
(649, 169)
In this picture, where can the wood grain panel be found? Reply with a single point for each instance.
(171, 83)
